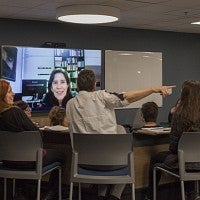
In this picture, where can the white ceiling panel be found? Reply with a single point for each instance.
(174, 15)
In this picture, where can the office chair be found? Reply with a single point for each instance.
(188, 154)
(102, 150)
(24, 146)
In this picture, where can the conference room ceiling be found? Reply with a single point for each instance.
(165, 15)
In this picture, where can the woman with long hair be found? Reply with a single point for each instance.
(186, 118)
(13, 118)
(58, 89)
(187, 115)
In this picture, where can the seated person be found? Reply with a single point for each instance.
(59, 122)
(24, 106)
(149, 113)
(146, 117)
(58, 119)
(12, 118)
(186, 118)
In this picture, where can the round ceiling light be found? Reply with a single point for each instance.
(87, 14)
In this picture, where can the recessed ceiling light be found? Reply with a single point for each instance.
(87, 14)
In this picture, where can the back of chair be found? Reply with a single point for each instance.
(189, 155)
(102, 149)
(19, 146)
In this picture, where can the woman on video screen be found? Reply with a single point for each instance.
(58, 89)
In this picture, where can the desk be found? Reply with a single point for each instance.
(146, 145)
(59, 140)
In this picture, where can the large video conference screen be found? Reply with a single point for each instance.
(28, 69)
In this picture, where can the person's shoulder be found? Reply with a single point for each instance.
(16, 109)
(10, 109)
(102, 92)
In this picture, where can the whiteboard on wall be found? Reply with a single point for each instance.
(132, 70)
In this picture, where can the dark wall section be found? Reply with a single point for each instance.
(181, 51)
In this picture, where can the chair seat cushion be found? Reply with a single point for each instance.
(116, 172)
(44, 169)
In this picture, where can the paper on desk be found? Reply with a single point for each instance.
(56, 128)
(155, 130)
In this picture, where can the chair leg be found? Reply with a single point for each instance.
(154, 183)
(59, 185)
(38, 189)
(79, 191)
(71, 191)
(197, 187)
(133, 191)
(182, 190)
(13, 188)
(5, 188)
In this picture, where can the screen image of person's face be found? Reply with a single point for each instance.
(59, 86)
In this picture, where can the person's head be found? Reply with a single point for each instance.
(24, 106)
(149, 111)
(59, 84)
(86, 80)
(6, 95)
(189, 105)
(57, 116)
